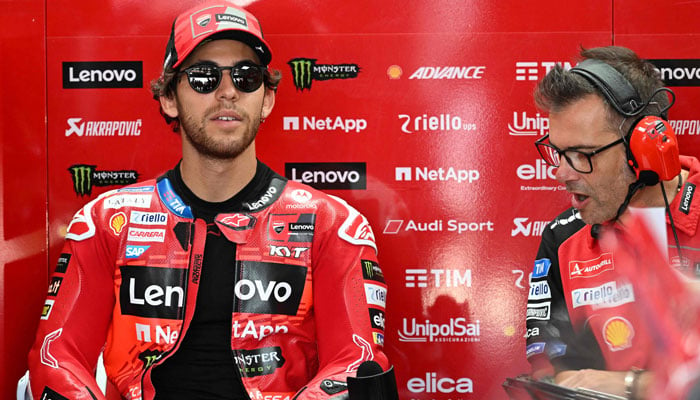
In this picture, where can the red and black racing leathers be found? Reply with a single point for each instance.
(308, 306)
(581, 312)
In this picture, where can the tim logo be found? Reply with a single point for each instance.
(534, 70)
(269, 288)
(305, 71)
(86, 176)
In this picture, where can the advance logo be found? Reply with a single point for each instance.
(349, 176)
(102, 74)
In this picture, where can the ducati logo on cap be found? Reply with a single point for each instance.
(204, 20)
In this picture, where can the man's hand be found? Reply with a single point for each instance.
(612, 382)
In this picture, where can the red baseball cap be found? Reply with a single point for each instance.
(214, 20)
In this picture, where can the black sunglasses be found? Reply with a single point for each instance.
(577, 159)
(205, 78)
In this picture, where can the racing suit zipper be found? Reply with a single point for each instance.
(235, 355)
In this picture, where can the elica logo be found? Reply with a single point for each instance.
(678, 72)
(404, 174)
(152, 292)
(102, 74)
(269, 288)
(326, 124)
(539, 171)
(431, 383)
(524, 125)
(434, 123)
(377, 318)
(526, 228)
(534, 70)
(352, 176)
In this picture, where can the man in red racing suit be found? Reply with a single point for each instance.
(309, 296)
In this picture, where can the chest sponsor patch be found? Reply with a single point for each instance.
(687, 198)
(152, 292)
(269, 288)
(618, 333)
(538, 310)
(541, 268)
(591, 268)
(256, 362)
(539, 291)
(606, 295)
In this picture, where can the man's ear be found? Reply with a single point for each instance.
(169, 105)
(268, 103)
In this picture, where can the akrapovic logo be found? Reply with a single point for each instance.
(269, 288)
(678, 72)
(351, 176)
(152, 292)
(305, 71)
(102, 74)
(86, 176)
(102, 128)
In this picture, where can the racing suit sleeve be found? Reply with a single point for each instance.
(75, 317)
(349, 302)
(553, 345)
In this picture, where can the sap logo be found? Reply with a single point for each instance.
(167, 335)
(532, 332)
(522, 227)
(269, 288)
(540, 171)
(325, 124)
(102, 74)
(451, 72)
(528, 126)
(284, 251)
(152, 292)
(329, 175)
(148, 218)
(431, 384)
(375, 294)
(531, 70)
(103, 128)
(434, 123)
(441, 277)
(440, 174)
(256, 331)
(133, 251)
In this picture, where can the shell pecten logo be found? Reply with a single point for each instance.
(618, 333)
(394, 72)
(117, 222)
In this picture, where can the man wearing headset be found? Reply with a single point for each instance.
(220, 279)
(583, 326)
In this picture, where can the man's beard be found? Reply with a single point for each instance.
(229, 148)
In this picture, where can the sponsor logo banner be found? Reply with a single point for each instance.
(147, 333)
(375, 294)
(539, 290)
(431, 383)
(534, 348)
(269, 288)
(618, 333)
(133, 251)
(291, 123)
(102, 74)
(418, 277)
(81, 128)
(440, 174)
(305, 71)
(541, 268)
(146, 235)
(54, 286)
(526, 228)
(434, 123)
(678, 72)
(604, 296)
(687, 198)
(591, 268)
(524, 125)
(86, 176)
(377, 319)
(127, 200)
(455, 330)
(395, 226)
(148, 218)
(62, 263)
(529, 71)
(538, 310)
(257, 362)
(371, 271)
(329, 176)
(152, 292)
(296, 228)
(449, 72)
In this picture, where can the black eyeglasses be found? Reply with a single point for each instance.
(577, 159)
(205, 78)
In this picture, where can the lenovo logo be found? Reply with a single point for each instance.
(102, 74)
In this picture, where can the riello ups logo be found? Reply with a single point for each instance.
(305, 71)
(102, 74)
(86, 176)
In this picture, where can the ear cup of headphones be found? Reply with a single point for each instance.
(654, 149)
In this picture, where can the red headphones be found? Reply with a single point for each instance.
(652, 148)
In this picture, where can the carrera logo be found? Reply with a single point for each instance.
(102, 74)
(590, 268)
(152, 292)
(146, 235)
(347, 176)
(269, 288)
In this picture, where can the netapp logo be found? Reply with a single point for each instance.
(351, 176)
(152, 292)
(269, 288)
(678, 72)
(534, 70)
(102, 74)
(440, 174)
(324, 124)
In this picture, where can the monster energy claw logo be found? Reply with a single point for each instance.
(305, 70)
(86, 176)
(371, 271)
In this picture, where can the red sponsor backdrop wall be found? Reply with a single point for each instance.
(423, 109)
